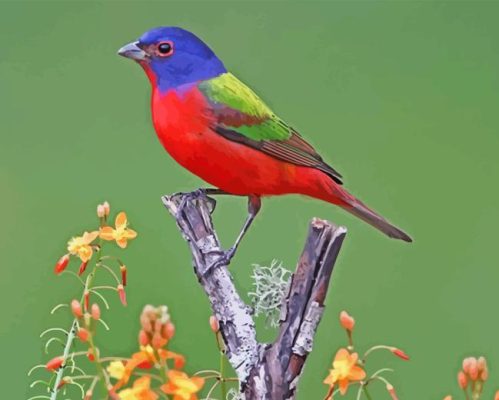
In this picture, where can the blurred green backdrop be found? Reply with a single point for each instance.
(401, 97)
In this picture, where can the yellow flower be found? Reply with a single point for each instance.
(121, 233)
(181, 386)
(345, 370)
(143, 359)
(81, 245)
(141, 390)
(116, 370)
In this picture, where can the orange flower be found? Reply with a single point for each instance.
(121, 233)
(81, 245)
(178, 359)
(143, 359)
(345, 370)
(141, 390)
(181, 386)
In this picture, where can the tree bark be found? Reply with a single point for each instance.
(265, 371)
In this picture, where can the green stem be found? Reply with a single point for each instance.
(366, 392)
(67, 349)
(95, 352)
(223, 387)
(164, 370)
(98, 364)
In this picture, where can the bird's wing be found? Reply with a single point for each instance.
(241, 116)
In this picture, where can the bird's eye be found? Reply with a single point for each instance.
(165, 49)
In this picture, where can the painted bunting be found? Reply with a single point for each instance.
(219, 129)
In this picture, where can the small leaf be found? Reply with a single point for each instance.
(54, 330)
(36, 367)
(58, 306)
(39, 382)
(52, 339)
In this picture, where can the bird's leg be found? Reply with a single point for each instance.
(254, 205)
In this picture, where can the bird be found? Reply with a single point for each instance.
(219, 129)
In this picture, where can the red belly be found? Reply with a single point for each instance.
(183, 122)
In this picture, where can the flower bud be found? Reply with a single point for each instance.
(484, 374)
(83, 334)
(462, 380)
(88, 395)
(466, 365)
(143, 338)
(95, 311)
(391, 390)
(347, 321)
(214, 325)
(169, 330)
(107, 208)
(83, 267)
(86, 299)
(473, 369)
(496, 397)
(101, 211)
(158, 341)
(90, 355)
(122, 294)
(481, 364)
(55, 363)
(448, 397)
(400, 354)
(145, 322)
(76, 308)
(61, 264)
(157, 326)
(123, 274)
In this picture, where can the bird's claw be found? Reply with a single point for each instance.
(224, 259)
(185, 197)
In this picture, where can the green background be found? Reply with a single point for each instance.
(402, 98)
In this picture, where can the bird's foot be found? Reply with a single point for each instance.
(224, 259)
(189, 196)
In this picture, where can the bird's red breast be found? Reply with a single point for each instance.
(183, 123)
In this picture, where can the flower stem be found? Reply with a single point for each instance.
(95, 352)
(67, 349)
(366, 392)
(223, 387)
(98, 364)
(329, 394)
(374, 348)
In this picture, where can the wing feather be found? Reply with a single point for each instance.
(241, 116)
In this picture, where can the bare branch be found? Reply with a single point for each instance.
(236, 324)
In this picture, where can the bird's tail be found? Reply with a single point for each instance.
(364, 213)
(356, 207)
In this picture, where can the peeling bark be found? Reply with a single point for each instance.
(265, 371)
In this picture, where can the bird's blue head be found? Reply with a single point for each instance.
(173, 57)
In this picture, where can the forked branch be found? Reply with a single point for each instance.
(265, 371)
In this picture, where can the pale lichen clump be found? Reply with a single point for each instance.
(270, 288)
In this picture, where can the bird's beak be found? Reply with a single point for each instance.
(133, 51)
